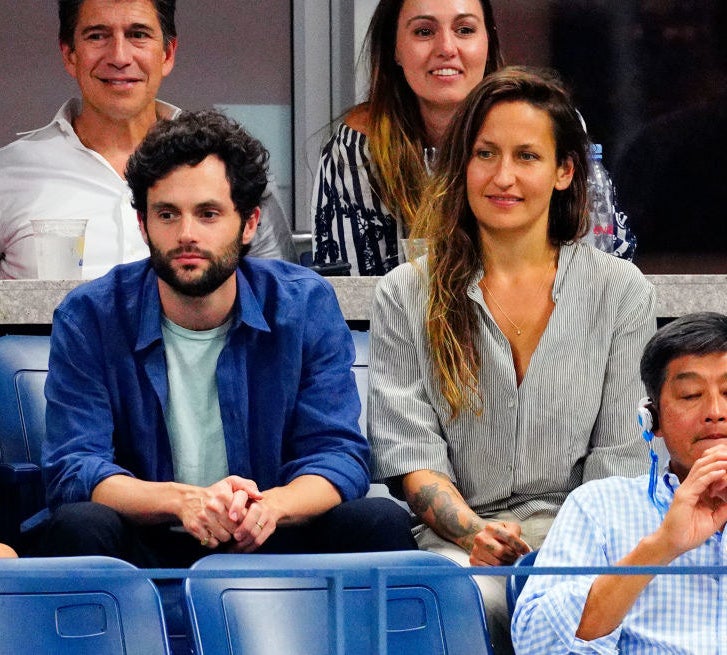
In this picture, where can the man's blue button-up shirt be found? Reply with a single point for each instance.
(287, 395)
(598, 525)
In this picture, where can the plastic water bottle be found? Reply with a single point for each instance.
(601, 207)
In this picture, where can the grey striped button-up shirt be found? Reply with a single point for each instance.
(573, 417)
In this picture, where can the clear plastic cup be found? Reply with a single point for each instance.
(414, 248)
(59, 247)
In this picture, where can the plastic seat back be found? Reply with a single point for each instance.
(361, 372)
(58, 606)
(515, 583)
(280, 610)
(23, 370)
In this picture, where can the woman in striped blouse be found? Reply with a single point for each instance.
(504, 365)
(425, 57)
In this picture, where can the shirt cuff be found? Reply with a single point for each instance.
(564, 612)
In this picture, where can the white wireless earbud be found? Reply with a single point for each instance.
(646, 416)
(648, 419)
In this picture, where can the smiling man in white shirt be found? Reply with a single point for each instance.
(118, 51)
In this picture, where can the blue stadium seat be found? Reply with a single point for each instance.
(515, 583)
(281, 610)
(361, 371)
(59, 606)
(303, 242)
(23, 369)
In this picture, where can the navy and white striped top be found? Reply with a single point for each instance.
(573, 417)
(350, 222)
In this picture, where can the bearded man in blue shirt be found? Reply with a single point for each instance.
(674, 518)
(199, 400)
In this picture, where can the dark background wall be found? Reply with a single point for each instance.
(650, 78)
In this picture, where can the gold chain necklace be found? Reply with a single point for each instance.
(518, 329)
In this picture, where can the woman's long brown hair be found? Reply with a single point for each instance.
(446, 220)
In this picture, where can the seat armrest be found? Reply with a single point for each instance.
(21, 496)
(21, 473)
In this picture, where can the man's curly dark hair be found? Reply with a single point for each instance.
(187, 140)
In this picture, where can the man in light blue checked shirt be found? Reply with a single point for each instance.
(674, 519)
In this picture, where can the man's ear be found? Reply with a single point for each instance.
(250, 228)
(648, 418)
(68, 54)
(170, 52)
(656, 429)
(142, 228)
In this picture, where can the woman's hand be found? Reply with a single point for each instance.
(498, 544)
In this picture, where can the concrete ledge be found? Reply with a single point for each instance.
(31, 302)
(684, 294)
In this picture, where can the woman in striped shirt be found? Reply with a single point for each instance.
(504, 365)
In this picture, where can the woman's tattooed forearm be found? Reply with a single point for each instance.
(439, 500)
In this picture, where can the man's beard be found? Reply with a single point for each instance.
(219, 269)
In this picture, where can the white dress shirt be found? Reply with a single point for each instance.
(48, 173)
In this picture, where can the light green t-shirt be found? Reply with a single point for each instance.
(193, 415)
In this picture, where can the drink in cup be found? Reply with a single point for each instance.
(414, 248)
(59, 247)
